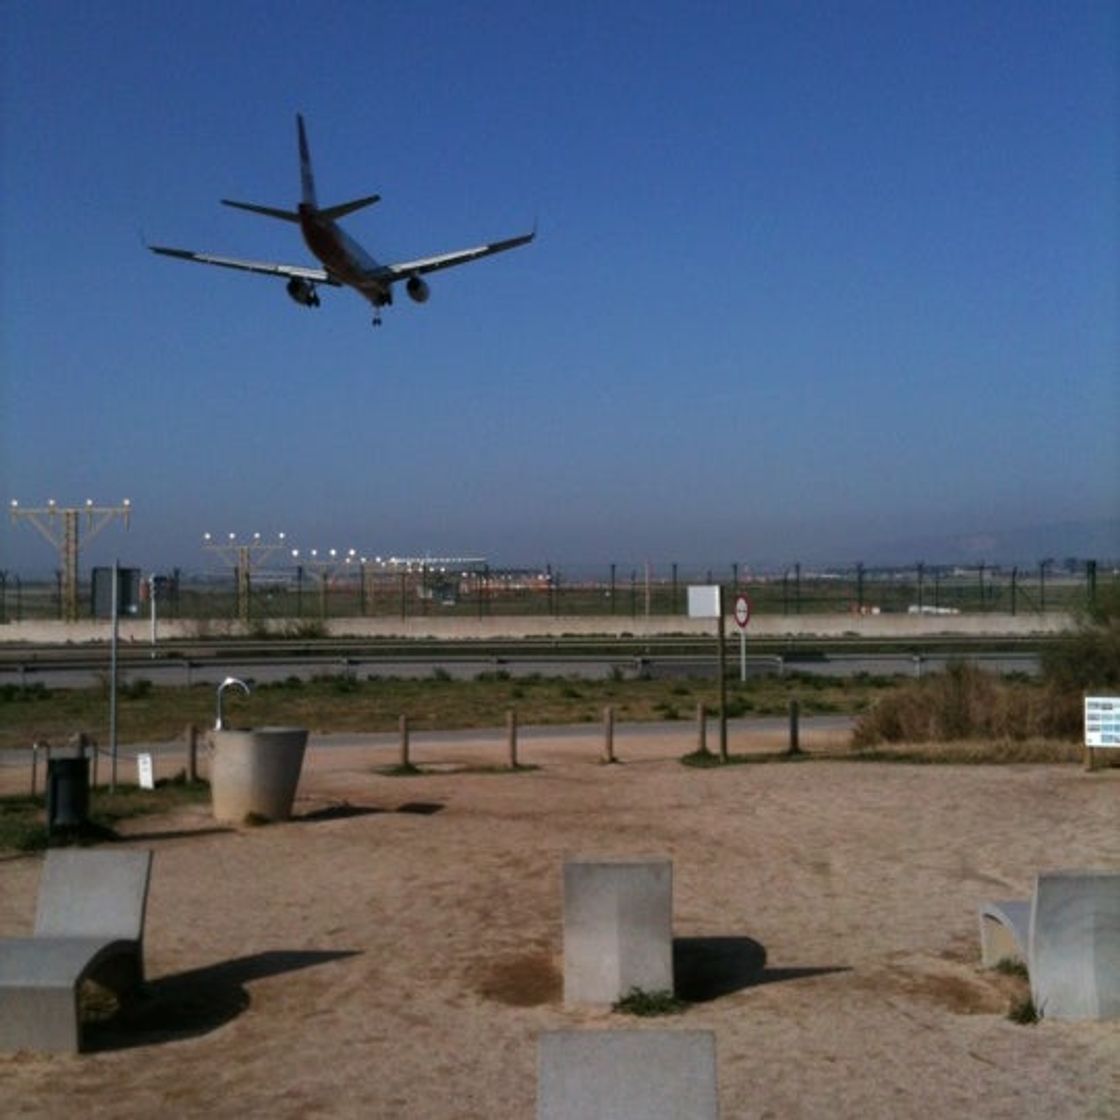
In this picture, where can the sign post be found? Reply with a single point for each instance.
(707, 602)
(742, 617)
(145, 771)
(1102, 725)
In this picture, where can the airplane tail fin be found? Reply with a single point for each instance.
(307, 187)
(306, 176)
(307, 183)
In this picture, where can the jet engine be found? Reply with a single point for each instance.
(417, 289)
(303, 291)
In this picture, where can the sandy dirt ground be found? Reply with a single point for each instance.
(395, 950)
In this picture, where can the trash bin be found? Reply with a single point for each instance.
(67, 792)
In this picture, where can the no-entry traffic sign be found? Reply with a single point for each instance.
(742, 611)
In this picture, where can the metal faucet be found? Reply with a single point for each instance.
(229, 682)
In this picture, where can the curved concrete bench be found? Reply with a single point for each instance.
(1068, 936)
(1004, 931)
(89, 923)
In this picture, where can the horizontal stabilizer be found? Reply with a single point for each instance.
(267, 211)
(344, 208)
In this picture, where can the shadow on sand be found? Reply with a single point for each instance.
(344, 810)
(706, 968)
(186, 1004)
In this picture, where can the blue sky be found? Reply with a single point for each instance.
(810, 278)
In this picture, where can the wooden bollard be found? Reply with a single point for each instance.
(608, 734)
(192, 752)
(701, 728)
(794, 727)
(405, 763)
(36, 747)
(511, 728)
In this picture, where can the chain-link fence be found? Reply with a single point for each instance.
(371, 590)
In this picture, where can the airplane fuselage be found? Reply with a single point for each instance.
(342, 256)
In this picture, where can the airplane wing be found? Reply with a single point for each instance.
(316, 275)
(458, 256)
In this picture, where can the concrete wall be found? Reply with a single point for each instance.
(883, 626)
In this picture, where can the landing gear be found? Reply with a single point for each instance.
(379, 300)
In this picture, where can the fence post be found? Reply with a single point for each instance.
(511, 727)
(608, 734)
(405, 763)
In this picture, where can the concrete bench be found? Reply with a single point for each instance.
(1068, 936)
(89, 924)
(627, 1075)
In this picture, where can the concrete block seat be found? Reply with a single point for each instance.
(89, 923)
(618, 927)
(1068, 935)
(627, 1075)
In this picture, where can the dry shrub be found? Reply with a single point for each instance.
(963, 703)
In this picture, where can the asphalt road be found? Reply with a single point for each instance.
(179, 671)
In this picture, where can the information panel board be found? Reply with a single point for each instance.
(1102, 721)
(704, 601)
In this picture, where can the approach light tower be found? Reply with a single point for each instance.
(325, 565)
(60, 525)
(242, 557)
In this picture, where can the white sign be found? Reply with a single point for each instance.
(1102, 721)
(146, 771)
(703, 601)
(742, 611)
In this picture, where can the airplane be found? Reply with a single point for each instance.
(345, 262)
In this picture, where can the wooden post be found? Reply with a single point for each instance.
(511, 728)
(794, 727)
(405, 763)
(192, 753)
(38, 745)
(701, 729)
(608, 734)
